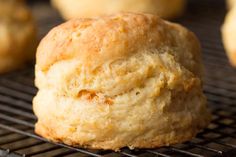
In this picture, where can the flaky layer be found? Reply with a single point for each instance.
(71, 78)
(141, 118)
(87, 8)
(144, 101)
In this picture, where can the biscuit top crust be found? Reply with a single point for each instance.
(95, 41)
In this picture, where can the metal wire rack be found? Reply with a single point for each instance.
(17, 136)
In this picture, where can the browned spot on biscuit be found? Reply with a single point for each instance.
(92, 96)
(108, 101)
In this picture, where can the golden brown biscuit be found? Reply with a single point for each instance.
(17, 35)
(229, 35)
(87, 8)
(123, 80)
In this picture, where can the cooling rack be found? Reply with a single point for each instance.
(204, 17)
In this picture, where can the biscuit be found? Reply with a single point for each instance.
(17, 35)
(229, 35)
(231, 3)
(87, 8)
(127, 79)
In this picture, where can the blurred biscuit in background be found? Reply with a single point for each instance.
(17, 35)
(231, 3)
(90, 8)
(229, 35)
